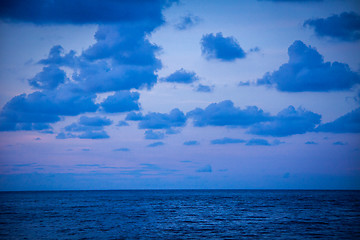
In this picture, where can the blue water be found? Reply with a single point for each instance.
(180, 214)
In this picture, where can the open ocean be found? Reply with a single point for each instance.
(180, 214)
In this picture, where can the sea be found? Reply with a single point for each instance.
(180, 214)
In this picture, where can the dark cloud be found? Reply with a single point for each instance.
(222, 48)
(205, 169)
(257, 142)
(311, 143)
(175, 118)
(307, 71)
(225, 114)
(344, 27)
(187, 22)
(36, 110)
(155, 144)
(49, 78)
(227, 141)
(191, 143)
(348, 123)
(287, 122)
(95, 121)
(150, 134)
(203, 88)
(181, 76)
(80, 12)
(122, 101)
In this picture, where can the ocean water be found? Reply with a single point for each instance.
(180, 214)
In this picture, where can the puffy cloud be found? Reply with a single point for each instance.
(49, 78)
(181, 76)
(95, 121)
(150, 134)
(191, 143)
(339, 143)
(287, 122)
(122, 101)
(34, 111)
(80, 12)
(222, 48)
(205, 169)
(344, 27)
(133, 116)
(155, 144)
(227, 141)
(203, 88)
(152, 120)
(311, 143)
(187, 22)
(257, 142)
(307, 71)
(348, 123)
(225, 114)
(57, 57)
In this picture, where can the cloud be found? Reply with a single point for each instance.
(49, 78)
(307, 71)
(93, 135)
(311, 143)
(122, 101)
(339, 143)
(121, 150)
(287, 122)
(205, 169)
(191, 143)
(225, 114)
(343, 27)
(122, 123)
(227, 141)
(150, 134)
(222, 48)
(299, 1)
(80, 12)
(155, 144)
(187, 22)
(203, 88)
(95, 121)
(181, 76)
(153, 120)
(348, 123)
(257, 142)
(133, 116)
(57, 57)
(36, 110)
(86, 128)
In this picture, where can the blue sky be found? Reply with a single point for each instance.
(179, 94)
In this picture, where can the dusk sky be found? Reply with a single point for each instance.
(179, 94)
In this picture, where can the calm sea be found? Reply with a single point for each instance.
(180, 214)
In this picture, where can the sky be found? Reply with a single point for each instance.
(181, 94)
